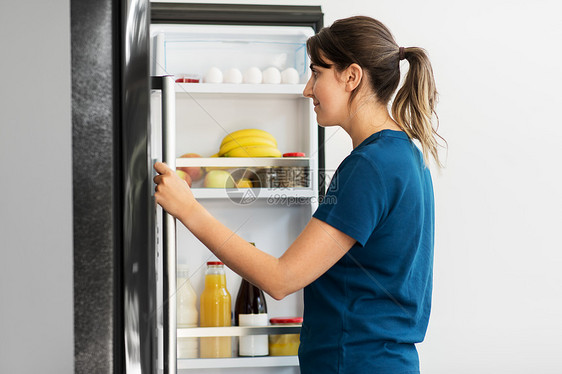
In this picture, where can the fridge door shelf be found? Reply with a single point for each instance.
(283, 90)
(237, 362)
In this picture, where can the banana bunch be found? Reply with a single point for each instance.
(249, 143)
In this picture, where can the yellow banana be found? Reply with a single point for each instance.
(244, 183)
(254, 151)
(247, 132)
(245, 141)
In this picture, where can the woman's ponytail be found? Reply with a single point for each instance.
(414, 105)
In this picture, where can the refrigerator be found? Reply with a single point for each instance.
(191, 112)
(128, 112)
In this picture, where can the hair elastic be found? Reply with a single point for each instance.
(401, 53)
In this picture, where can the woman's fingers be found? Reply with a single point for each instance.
(163, 171)
(161, 167)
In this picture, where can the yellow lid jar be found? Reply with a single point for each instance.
(285, 344)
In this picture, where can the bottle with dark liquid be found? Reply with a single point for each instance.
(251, 310)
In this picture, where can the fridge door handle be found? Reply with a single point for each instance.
(166, 85)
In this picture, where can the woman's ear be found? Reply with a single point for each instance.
(352, 75)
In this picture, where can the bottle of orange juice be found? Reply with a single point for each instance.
(215, 311)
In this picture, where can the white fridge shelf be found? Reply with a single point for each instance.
(238, 362)
(237, 330)
(278, 194)
(289, 90)
(251, 162)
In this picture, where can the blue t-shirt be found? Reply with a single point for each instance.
(366, 312)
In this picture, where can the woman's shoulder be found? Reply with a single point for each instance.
(390, 152)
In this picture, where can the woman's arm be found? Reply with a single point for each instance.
(316, 249)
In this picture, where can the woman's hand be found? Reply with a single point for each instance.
(172, 192)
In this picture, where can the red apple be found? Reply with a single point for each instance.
(195, 173)
(183, 175)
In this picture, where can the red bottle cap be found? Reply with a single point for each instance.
(294, 154)
(187, 80)
(214, 263)
(285, 320)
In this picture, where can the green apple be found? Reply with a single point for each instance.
(219, 179)
(185, 176)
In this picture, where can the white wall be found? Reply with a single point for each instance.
(498, 285)
(35, 188)
(497, 295)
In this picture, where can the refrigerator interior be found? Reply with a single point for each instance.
(205, 114)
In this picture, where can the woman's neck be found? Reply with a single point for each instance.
(368, 119)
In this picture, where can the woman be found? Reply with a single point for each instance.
(365, 259)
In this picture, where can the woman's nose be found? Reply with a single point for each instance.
(307, 92)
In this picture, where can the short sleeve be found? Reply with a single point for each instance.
(355, 200)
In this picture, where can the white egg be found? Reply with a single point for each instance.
(272, 76)
(233, 76)
(290, 76)
(213, 75)
(253, 75)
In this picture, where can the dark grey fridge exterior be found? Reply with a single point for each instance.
(114, 212)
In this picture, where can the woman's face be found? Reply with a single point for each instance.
(329, 96)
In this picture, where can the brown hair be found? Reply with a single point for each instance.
(368, 43)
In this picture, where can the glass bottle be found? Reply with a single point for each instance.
(251, 310)
(215, 311)
(187, 314)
